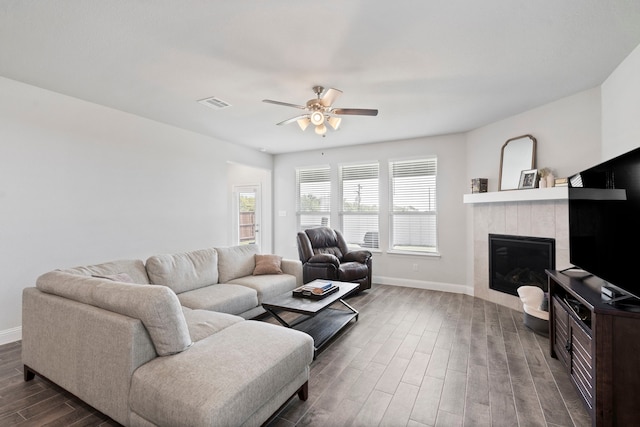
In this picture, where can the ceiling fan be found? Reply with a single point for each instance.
(320, 110)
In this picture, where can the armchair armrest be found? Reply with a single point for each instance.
(325, 259)
(361, 256)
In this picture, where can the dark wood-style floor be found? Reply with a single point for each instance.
(414, 358)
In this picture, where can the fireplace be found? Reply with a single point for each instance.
(516, 261)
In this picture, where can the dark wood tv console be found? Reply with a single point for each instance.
(599, 345)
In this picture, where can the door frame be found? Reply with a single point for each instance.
(257, 190)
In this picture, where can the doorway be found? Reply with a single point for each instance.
(248, 206)
(253, 183)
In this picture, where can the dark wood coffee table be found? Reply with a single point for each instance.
(316, 318)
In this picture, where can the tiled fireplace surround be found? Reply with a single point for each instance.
(537, 218)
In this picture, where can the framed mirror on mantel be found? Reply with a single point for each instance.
(517, 154)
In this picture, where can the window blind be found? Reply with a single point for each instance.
(359, 200)
(313, 204)
(412, 214)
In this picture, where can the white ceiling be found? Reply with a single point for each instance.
(430, 67)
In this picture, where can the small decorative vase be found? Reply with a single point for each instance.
(551, 180)
(542, 183)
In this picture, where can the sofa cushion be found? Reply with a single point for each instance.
(268, 286)
(232, 299)
(236, 261)
(184, 271)
(223, 379)
(267, 264)
(203, 323)
(156, 306)
(134, 268)
(118, 277)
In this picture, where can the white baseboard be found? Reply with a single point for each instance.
(422, 284)
(10, 335)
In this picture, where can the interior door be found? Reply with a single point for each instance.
(248, 208)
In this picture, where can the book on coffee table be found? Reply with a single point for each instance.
(315, 291)
(317, 287)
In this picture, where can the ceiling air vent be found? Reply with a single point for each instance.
(215, 103)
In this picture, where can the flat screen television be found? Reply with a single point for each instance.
(604, 221)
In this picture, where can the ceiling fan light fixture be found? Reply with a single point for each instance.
(317, 118)
(320, 111)
(303, 123)
(321, 129)
(334, 122)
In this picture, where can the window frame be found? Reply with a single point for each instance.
(314, 174)
(343, 213)
(431, 200)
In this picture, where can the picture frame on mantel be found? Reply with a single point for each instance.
(528, 179)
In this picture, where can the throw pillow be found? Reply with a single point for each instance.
(118, 277)
(268, 264)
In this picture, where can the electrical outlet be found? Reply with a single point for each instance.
(415, 267)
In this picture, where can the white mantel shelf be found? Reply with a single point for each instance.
(533, 194)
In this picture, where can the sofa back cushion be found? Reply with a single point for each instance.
(157, 307)
(236, 261)
(186, 271)
(134, 268)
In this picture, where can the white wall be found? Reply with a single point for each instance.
(621, 108)
(81, 183)
(567, 133)
(442, 272)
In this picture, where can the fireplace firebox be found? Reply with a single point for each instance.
(516, 261)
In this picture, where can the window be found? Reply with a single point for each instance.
(412, 214)
(359, 204)
(313, 205)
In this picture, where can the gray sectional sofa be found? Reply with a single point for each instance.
(167, 342)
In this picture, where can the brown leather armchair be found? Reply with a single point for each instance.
(325, 255)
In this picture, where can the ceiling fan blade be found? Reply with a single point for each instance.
(286, 104)
(293, 119)
(330, 97)
(355, 111)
